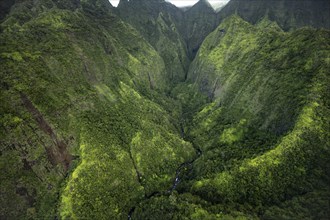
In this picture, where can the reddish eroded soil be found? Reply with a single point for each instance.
(57, 153)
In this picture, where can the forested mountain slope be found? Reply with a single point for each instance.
(131, 113)
(160, 23)
(174, 33)
(289, 14)
(76, 96)
(199, 20)
(264, 136)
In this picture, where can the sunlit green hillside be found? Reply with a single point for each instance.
(133, 113)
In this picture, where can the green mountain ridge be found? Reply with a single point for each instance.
(288, 14)
(242, 99)
(157, 21)
(200, 20)
(146, 111)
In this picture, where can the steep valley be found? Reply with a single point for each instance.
(146, 111)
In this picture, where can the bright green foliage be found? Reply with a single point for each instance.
(264, 77)
(113, 152)
(95, 121)
(264, 137)
(71, 89)
(184, 206)
(156, 171)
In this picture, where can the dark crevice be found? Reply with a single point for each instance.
(215, 86)
(177, 178)
(138, 174)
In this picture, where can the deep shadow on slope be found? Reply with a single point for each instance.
(289, 14)
(129, 145)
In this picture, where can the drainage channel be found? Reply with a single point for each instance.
(176, 181)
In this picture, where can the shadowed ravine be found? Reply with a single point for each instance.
(184, 167)
(148, 111)
(178, 173)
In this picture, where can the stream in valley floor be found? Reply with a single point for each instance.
(176, 181)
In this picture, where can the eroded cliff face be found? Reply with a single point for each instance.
(174, 33)
(288, 14)
(159, 22)
(199, 20)
(104, 117)
(192, 25)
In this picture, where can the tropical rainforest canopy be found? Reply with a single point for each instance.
(149, 111)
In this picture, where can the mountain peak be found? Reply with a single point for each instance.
(289, 14)
(203, 3)
(202, 6)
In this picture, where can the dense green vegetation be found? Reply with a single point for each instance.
(104, 117)
(159, 23)
(268, 120)
(75, 81)
(289, 14)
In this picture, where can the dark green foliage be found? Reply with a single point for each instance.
(272, 77)
(5, 7)
(313, 205)
(200, 20)
(289, 14)
(95, 121)
(81, 75)
(68, 4)
(159, 23)
(265, 77)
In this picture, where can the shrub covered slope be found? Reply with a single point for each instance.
(76, 96)
(103, 118)
(265, 134)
